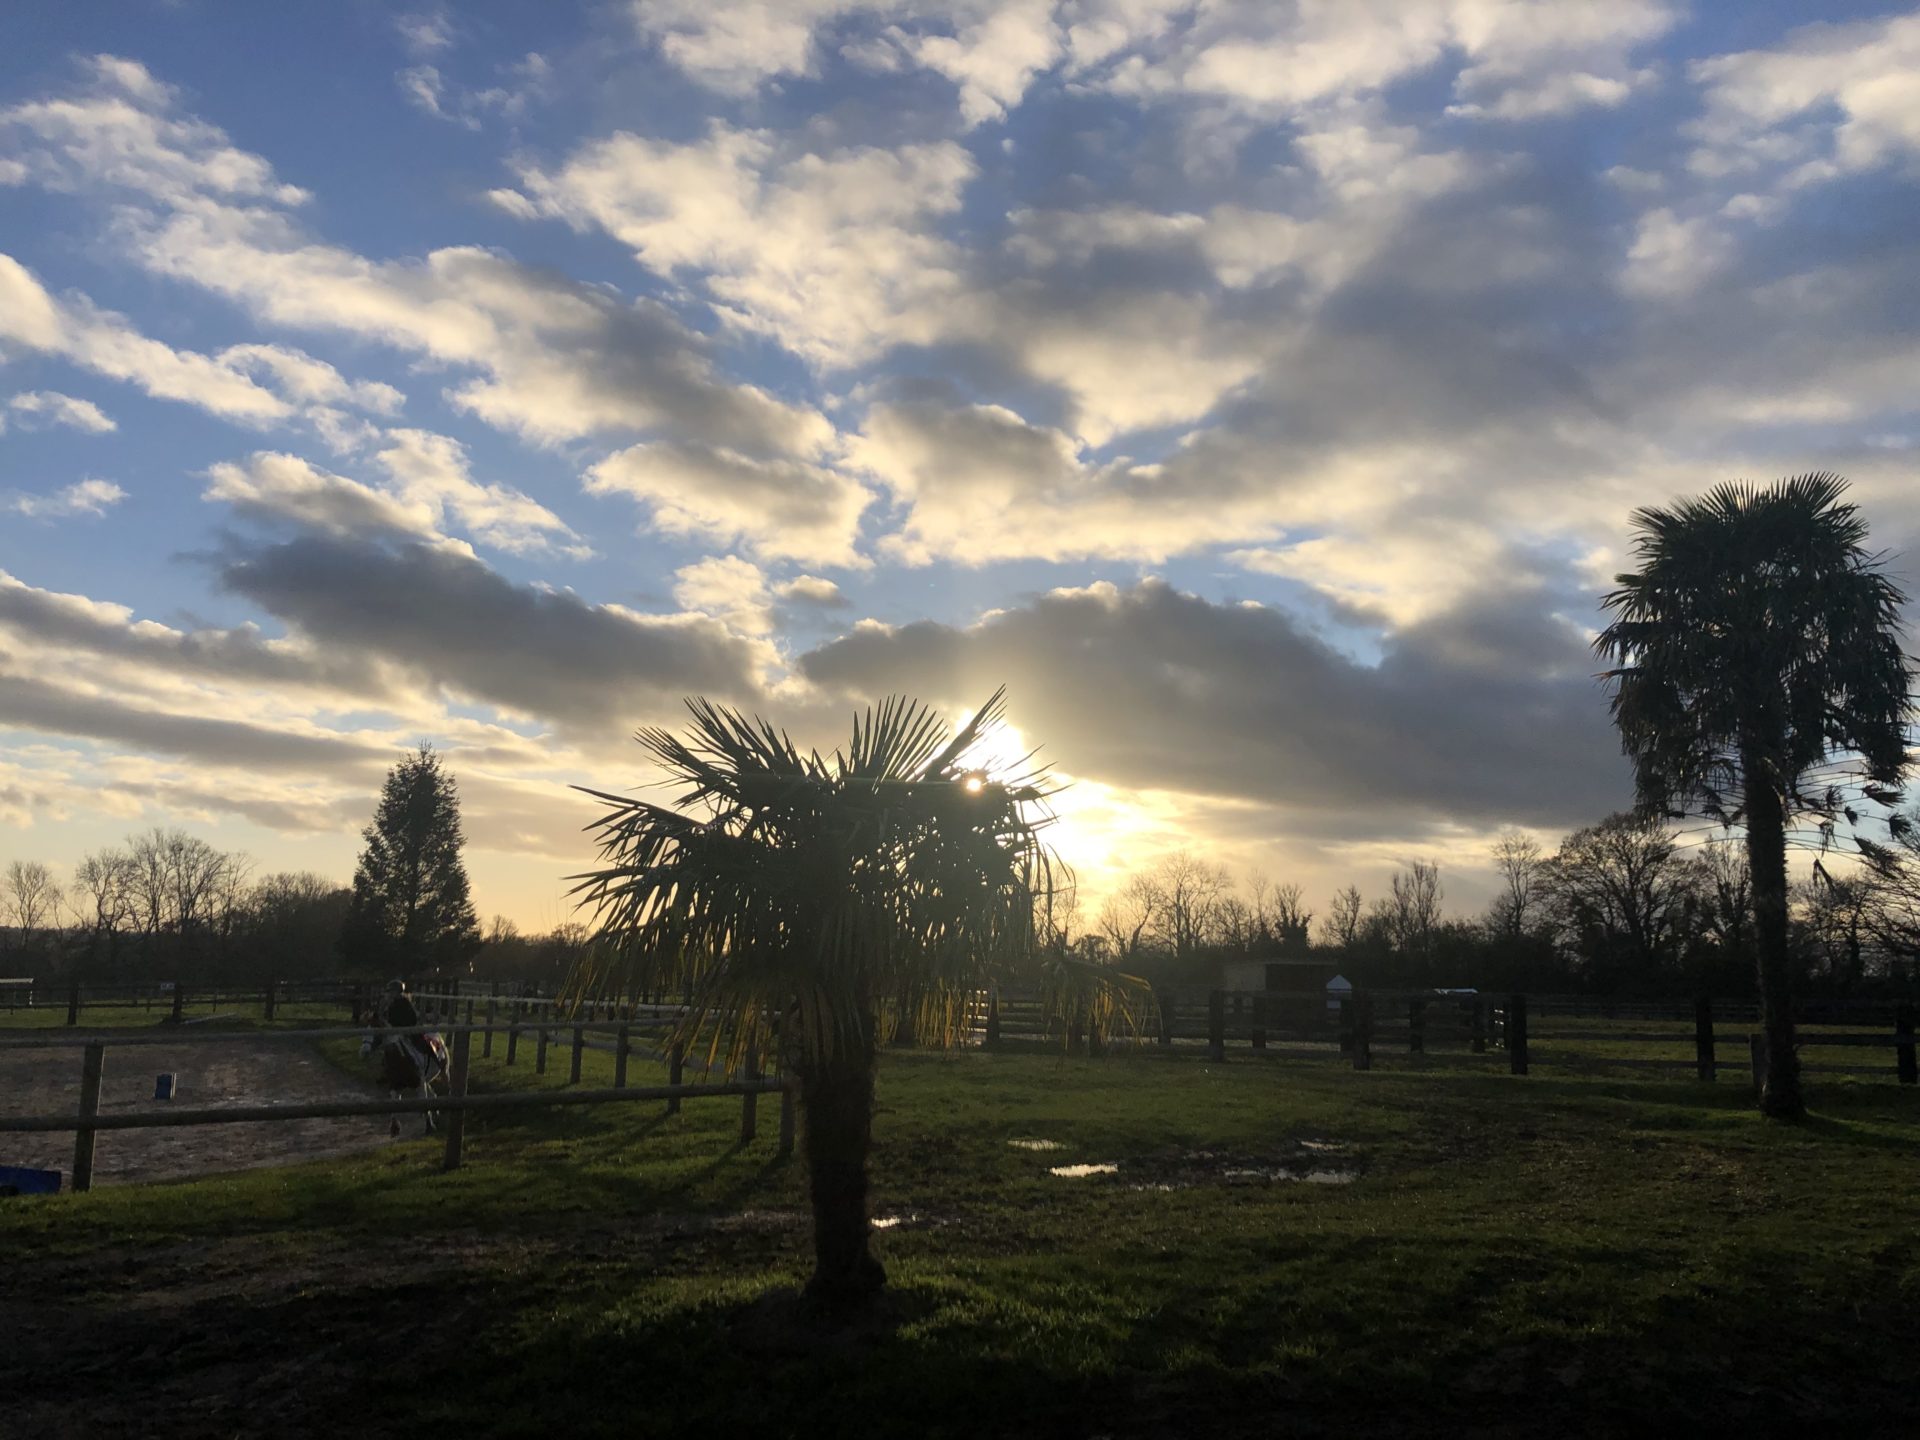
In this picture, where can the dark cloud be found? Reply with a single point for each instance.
(31, 704)
(1485, 715)
(448, 619)
(239, 654)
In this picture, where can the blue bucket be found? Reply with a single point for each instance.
(163, 1087)
(19, 1180)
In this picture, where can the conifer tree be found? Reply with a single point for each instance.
(412, 911)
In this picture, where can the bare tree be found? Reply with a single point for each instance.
(1191, 890)
(1342, 925)
(1128, 917)
(1413, 914)
(1622, 889)
(32, 896)
(1519, 908)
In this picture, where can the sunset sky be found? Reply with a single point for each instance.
(1258, 390)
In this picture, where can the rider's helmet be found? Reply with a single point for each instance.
(396, 987)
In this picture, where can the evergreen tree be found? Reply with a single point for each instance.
(411, 908)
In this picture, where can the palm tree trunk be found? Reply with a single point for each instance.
(1767, 863)
(836, 1097)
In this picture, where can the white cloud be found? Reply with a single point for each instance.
(273, 486)
(120, 131)
(1829, 100)
(1674, 256)
(558, 359)
(994, 57)
(109, 345)
(431, 470)
(84, 497)
(780, 508)
(50, 407)
(429, 493)
(729, 589)
(835, 254)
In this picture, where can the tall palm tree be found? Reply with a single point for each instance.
(1756, 652)
(815, 896)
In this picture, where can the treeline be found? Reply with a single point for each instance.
(166, 905)
(1626, 907)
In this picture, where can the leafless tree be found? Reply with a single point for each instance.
(1342, 925)
(1413, 914)
(32, 897)
(1519, 907)
(1190, 890)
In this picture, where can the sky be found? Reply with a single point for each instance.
(1259, 391)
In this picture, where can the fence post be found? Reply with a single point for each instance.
(269, 1014)
(1165, 997)
(992, 1040)
(457, 1090)
(1346, 1024)
(513, 1034)
(1517, 1034)
(1703, 1037)
(1216, 1025)
(1416, 1026)
(1362, 1030)
(179, 1001)
(92, 1064)
(579, 1045)
(73, 1002)
(486, 1040)
(540, 1052)
(1903, 1052)
(750, 1102)
(1479, 1025)
(620, 1059)
(1757, 1057)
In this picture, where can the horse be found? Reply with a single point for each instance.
(406, 1070)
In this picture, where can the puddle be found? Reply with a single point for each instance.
(1308, 1177)
(1035, 1144)
(887, 1222)
(1080, 1172)
(1322, 1145)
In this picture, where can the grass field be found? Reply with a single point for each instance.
(1556, 1254)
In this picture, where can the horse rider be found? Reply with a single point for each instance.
(397, 1012)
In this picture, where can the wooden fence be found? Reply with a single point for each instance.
(87, 1121)
(1527, 1030)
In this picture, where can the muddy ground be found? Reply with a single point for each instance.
(240, 1072)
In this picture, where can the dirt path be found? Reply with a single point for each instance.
(47, 1082)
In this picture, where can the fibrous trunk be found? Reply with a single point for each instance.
(1767, 863)
(836, 1097)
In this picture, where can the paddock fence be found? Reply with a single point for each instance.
(88, 1122)
(1433, 1026)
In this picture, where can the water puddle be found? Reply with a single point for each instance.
(1035, 1144)
(887, 1222)
(1307, 1177)
(1080, 1172)
(1323, 1145)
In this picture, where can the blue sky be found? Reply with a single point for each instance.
(1259, 389)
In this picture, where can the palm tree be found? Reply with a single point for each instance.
(1757, 655)
(815, 897)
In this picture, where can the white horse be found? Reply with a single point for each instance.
(406, 1069)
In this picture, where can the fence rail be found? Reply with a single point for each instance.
(1358, 1024)
(87, 1122)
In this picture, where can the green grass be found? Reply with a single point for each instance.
(1562, 1253)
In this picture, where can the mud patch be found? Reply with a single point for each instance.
(228, 1073)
